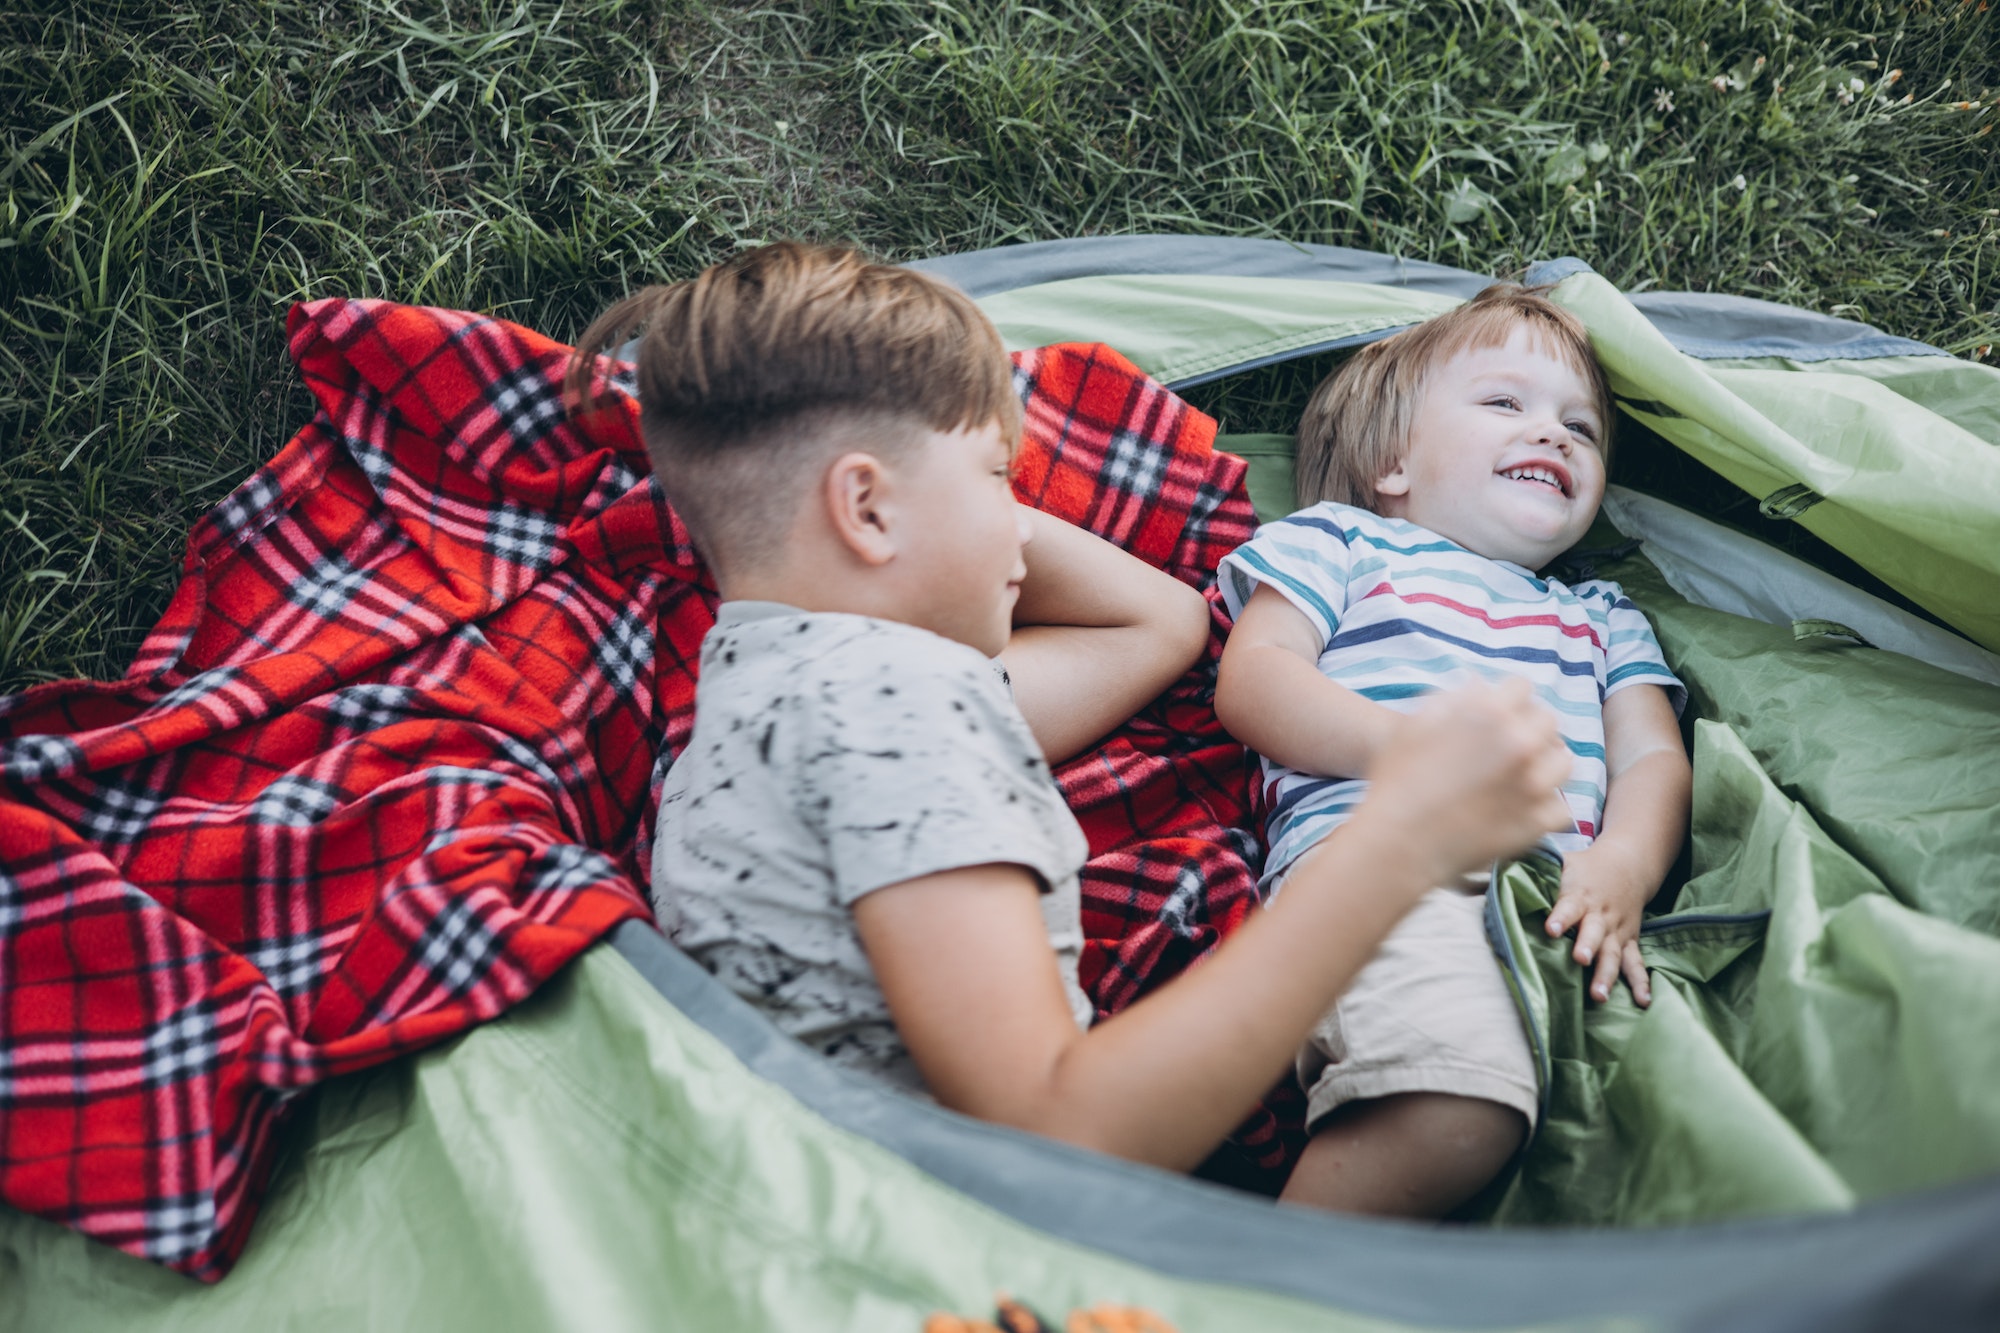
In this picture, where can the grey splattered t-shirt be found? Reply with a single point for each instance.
(833, 755)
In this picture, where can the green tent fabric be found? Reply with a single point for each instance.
(598, 1161)
(1892, 481)
(1826, 983)
(1802, 1132)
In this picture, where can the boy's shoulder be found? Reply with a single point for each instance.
(1351, 525)
(1333, 518)
(851, 671)
(772, 637)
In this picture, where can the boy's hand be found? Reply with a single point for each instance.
(1603, 899)
(1605, 887)
(1471, 776)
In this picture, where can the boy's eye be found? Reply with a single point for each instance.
(1506, 400)
(1583, 430)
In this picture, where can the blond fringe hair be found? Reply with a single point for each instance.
(1356, 427)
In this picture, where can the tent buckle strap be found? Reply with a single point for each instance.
(1825, 629)
(1789, 502)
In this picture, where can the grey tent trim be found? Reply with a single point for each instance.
(1010, 267)
(1923, 1260)
(1705, 325)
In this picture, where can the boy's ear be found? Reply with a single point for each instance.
(856, 495)
(1395, 482)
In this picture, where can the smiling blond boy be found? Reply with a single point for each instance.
(1451, 462)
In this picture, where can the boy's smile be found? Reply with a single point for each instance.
(1505, 455)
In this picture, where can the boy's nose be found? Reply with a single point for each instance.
(1021, 526)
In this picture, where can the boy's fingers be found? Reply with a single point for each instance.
(1637, 979)
(1606, 973)
(1588, 936)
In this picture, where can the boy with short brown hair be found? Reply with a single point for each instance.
(861, 836)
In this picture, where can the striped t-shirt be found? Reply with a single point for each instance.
(1402, 612)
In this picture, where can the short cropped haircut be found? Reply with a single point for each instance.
(1356, 427)
(755, 374)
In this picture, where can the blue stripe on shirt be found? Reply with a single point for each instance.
(1389, 629)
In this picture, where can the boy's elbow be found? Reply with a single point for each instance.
(1229, 694)
(1191, 625)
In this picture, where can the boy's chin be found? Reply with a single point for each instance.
(991, 645)
(986, 640)
(1533, 550)
(983, 628)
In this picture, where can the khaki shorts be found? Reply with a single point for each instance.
(1431, 1012)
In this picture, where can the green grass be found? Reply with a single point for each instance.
(173, 176)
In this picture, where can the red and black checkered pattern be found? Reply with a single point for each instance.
(392, 756)
(1170, 802)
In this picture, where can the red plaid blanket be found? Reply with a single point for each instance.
(391, 759)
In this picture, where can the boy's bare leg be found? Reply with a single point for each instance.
(1416, 1154)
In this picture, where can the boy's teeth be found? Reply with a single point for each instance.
(1533, 474)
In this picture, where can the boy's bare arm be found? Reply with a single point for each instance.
(1605, 887)
(1098, 634)
(1271, 696)
(963, 960)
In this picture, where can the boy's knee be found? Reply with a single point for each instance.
(1443, 1120)
(1475, 1126)
(1413, 1154)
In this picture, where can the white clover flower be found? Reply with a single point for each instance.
(1663, 101)
(1719, 83)
(1740, 183)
